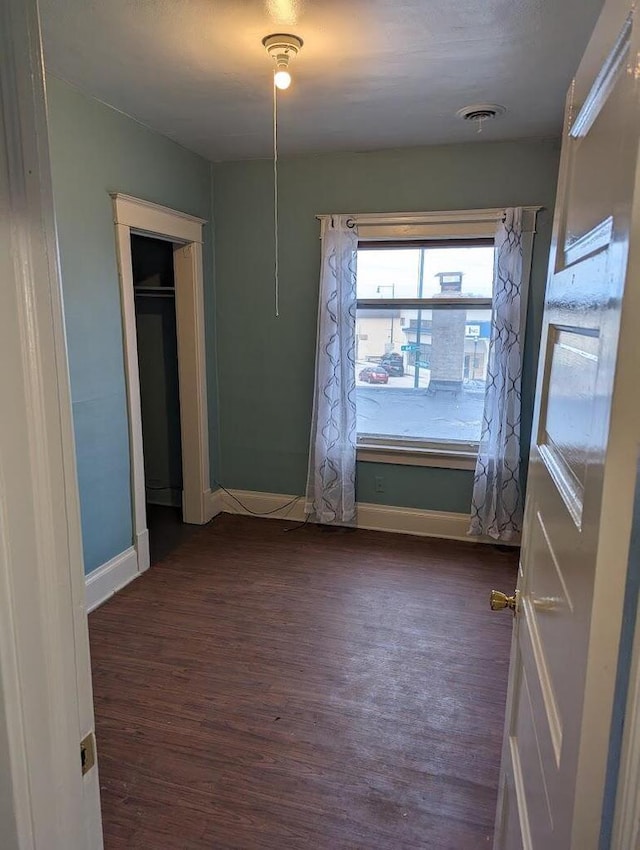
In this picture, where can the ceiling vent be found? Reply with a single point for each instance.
(481, 112)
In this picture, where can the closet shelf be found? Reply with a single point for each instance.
(154, 291)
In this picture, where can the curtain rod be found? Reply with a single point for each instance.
(447, 215)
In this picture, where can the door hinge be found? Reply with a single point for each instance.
(87, 753)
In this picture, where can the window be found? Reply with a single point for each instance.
(422, 342)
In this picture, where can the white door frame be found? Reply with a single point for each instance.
(46, 706)
(132, 215)
(626, 826)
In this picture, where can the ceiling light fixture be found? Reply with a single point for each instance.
(281, 47)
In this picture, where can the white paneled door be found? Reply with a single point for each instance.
(583, 460)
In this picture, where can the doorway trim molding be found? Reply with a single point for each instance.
(136, 216)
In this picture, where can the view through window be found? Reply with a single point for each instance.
(422, 341)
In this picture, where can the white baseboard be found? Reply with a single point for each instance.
(213, 504)
(449, 526)
(142, 548)
(399, 520)
(262, 503)
(110, 577)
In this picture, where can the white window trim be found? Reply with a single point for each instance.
(448, 224)
(426, 456)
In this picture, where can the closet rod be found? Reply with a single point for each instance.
(168, 293)
(140, 287)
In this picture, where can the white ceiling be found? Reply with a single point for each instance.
(372, 74)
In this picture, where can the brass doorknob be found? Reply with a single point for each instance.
(498, 601)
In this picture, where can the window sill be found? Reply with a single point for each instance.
(411, 456)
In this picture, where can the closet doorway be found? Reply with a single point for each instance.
(161, 285)
(156, 333)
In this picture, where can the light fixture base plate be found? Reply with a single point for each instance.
(282, 43)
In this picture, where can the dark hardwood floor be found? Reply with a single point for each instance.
(341, 690)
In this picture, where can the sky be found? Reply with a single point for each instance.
(395, 271)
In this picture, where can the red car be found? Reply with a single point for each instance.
(374, 375)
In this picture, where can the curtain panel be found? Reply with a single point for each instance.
(496, 506)
(331, 479)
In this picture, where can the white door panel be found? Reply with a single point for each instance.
(582, 467)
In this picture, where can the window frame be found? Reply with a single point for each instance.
(432, 230)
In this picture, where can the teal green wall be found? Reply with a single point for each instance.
(266, 365)
(96, 150)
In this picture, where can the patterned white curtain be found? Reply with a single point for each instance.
(331, 481)
(496, 506)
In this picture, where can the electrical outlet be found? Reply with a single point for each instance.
(379, 484)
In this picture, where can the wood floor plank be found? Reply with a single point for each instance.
(265, 689)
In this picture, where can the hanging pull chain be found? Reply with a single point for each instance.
(275, 202)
